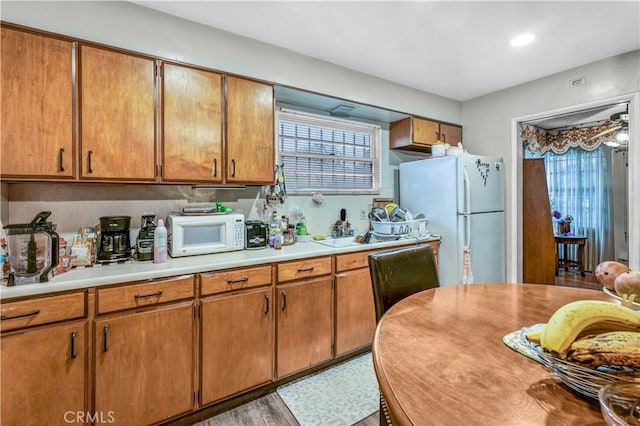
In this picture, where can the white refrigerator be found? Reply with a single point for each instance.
(463, 199)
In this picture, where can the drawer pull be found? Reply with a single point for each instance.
(28, 314)
(241, 280)
(73, 344)
(266, 304)
(284, 300)
(306, 270)
(105, 330)
(146, 296)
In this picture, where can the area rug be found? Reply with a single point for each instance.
(341, 395)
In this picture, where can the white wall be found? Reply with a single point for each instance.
(488, 119)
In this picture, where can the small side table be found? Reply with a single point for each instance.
(564, 261)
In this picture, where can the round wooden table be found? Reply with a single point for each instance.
(440, 359)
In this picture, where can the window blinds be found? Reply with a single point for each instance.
(329, 155)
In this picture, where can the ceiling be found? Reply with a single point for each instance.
(459, 50)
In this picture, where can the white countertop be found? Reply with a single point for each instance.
(98, 275)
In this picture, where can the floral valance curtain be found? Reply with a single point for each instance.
(588, 137)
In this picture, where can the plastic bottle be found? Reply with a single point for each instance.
(160, 243)
(277, 239)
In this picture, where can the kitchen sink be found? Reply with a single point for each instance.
(338, 242)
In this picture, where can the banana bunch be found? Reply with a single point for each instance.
(620, 348)
(576, 320)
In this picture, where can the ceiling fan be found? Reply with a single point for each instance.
(619, 132)
(621, 138)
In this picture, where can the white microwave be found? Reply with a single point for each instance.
(189, 235)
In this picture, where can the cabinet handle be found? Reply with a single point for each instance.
(61, 160)
(241, 280)
(73, 344)
(233, 168)
(437, 136)
(284, 300)
(444, 137)
(214, 171)
(146, 296)
(266, 304)
(105, 330)
(28, 314)
(306, 270)
(89, 168)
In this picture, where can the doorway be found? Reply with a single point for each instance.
(632, 160)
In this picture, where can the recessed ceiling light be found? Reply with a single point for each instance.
(522, 39)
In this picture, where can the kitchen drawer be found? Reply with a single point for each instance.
(219, 282)
(145, 294)
(345, 262)
(42, 310)
(304, 268)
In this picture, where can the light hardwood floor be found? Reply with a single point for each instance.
(270, 410)
(572, 278)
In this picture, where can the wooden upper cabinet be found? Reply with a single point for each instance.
(192, 124)
(250, 132)
(451, 134)
(36, 96)
(425, 132)
(117, 111)
(418, 134)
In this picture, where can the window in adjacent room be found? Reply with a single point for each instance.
(327, 154)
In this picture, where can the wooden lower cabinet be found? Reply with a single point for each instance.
(237, 343)
(304, 324)
(44, 374)
(144, 367)
(355, 310)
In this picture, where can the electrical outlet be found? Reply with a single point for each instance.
(363, 214)
(578, 81)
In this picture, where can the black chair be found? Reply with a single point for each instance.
(400, 273)
(394, 276)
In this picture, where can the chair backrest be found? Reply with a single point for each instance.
(400, 273)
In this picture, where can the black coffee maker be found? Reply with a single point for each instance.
(114, 242)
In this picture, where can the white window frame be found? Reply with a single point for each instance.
(373, 132)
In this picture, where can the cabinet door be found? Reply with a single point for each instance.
(192, 124)
(237, 344)
(250, 132)
(144, 368)
(36, 97)
(117, 115)
(425, 132)
(304, 324)
(450, 134)
(355, 310)
(44, 374)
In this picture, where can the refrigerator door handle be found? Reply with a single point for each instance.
(467, 191)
